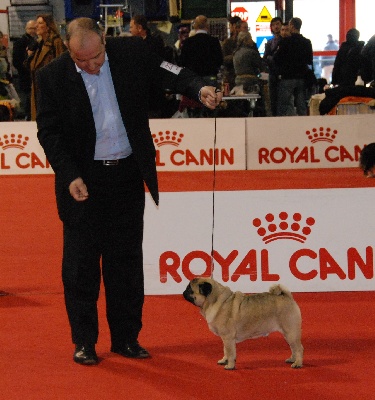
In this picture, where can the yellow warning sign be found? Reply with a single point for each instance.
(264, 15)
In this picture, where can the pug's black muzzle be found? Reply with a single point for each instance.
(188, 294)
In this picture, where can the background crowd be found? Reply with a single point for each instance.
(283, 76)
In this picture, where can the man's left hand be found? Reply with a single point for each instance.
(211, 97)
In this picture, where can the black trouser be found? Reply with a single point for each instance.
(272, 87)
(113, 232)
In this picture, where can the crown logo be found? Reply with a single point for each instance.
(13, 141)
(321, 135)
(284, 227)
(167, 137)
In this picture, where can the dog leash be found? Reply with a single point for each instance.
(217, 90)
(213, 205)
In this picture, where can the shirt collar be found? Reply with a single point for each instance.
(201, 31)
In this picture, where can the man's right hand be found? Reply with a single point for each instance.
(78, 190)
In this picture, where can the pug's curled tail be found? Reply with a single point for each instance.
(280, 290)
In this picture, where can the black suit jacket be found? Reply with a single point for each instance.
(293, 57)
(19, 56)
(66, 128)
(202, 54)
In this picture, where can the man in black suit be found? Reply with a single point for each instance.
(202, 52)
(93, 125)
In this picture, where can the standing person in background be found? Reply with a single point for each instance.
(327, 62)
(244, 27)
(293, 59)
(26, 42)
(93, 126)
(368, 61)
(155, 43)
(139, 27)
(202, 54)
(269, 51)
(348, 62)
(228, 47)
(284, 31)
(50, 46)
(367, 71)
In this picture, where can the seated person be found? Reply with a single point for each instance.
(247, 63)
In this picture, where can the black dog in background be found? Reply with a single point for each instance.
(367, 160)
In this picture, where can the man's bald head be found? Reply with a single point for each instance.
(30, 27)
(86, 44)
(201, 22)
(80, 30)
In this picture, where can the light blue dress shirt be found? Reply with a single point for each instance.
(112, 141)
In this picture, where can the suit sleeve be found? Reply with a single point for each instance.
(50, 131)
(177, 79)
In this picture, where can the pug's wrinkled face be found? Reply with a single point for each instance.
(197, 291)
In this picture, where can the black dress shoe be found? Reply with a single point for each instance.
(85, 355)
(131, 350)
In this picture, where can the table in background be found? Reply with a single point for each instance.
(251, 98)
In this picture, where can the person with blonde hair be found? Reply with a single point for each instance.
(247, 61)
(50, 46)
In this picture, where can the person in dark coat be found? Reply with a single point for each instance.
(93, 125)
(269, 51)
(368, 61)
(139, 27)
(28, 41)
(228, 47)
(348, 60)
(293, 59)
(202, 52)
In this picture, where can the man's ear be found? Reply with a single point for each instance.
(205, 289)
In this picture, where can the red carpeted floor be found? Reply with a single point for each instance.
(36, 353)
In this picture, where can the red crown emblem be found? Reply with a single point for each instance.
(13, 141)
(321, 135)
(284, 227)
(167, 137)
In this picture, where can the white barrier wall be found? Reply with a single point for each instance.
(229, 143)
(20, 151)
(307, 142)
(196, 144)
(310, 240)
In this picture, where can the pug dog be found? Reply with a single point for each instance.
(235, 316)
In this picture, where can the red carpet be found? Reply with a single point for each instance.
(36, 352)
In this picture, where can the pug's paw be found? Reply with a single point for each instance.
(295, 363)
